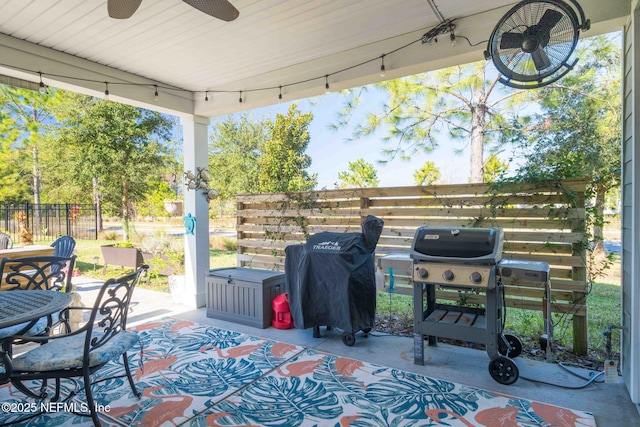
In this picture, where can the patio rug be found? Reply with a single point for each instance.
(197, 375)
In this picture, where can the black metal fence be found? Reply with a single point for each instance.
(48, 221)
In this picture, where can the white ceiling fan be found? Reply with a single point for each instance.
(221, 9)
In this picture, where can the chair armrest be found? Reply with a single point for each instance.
(76, 308)
(46, 338)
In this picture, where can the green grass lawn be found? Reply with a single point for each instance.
(89, 262)
(603, 308)
(603, 302)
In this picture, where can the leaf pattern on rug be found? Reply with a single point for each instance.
(284, 401)
(408, 394)
(197, 375)
(211, 376)
(272, 354)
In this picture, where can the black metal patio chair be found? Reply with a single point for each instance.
(78, 355)
(36, 273)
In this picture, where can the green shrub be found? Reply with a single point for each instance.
(223, 243)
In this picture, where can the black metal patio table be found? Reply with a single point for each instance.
(22, 306)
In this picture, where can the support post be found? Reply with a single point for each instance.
(196, 245)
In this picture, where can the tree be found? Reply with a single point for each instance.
(494, 169)
(29, 114)
(460, 101)
(13, 189)
(282, 163)
(428, 174)
(112, 150)
(578, 132)
(360, 174)
(234, 149)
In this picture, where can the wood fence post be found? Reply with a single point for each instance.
(239, 233)
(365, 203)
(580, 335)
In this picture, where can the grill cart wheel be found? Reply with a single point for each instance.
(348, 338)
(503, 370)
(513, 342)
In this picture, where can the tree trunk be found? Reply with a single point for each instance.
(36, 184)
(478, 126)
(98, 203)
(125, 210)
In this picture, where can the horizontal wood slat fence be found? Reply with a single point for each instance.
(541, 222)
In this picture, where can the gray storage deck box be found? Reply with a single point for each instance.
(243, 295)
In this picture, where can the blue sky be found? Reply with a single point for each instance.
(331, 153)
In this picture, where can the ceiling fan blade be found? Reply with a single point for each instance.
(221, 9)
(122, 9)
(540, 59)
(549, 20)
(511, 40)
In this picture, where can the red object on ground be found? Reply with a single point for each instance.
(281, 314)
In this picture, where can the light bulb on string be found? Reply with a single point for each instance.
(430, 36)
(155, 94)
(41, 87)
(206, 97)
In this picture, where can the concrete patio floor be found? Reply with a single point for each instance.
(609, 402)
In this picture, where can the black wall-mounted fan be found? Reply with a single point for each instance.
(532, 44)
(221, 9)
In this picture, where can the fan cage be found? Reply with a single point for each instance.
(517, 65)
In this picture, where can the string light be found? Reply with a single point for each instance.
(41, 88)
(429, 36)
(206, 97)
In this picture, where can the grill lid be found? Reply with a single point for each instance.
(457, 244)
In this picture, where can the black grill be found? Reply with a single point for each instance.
(465, 245)
(462, 258)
